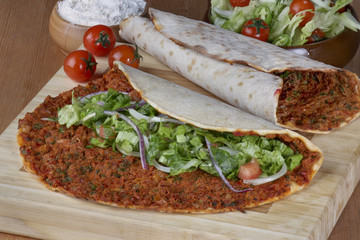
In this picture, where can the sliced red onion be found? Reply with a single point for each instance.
(135, 154)
(223, 13)
(110, 113)
(161, 167)
(91, 95)
(156, 164)
(139, 116)
(95, 94)
(219, 171)
(48, 119)
(138, 104)
(140, 135)
(91, 115)
(262, 180)
(232, 152)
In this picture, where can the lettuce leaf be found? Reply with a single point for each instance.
(221, 4)
(69, 115)
(180, 147)
(285, 29)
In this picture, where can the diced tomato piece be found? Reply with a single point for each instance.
(102, 132)
(303, 7)
(135, 96)
(250, 170)
(316, 36)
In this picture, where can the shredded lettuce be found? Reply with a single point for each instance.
(276, 14)
(263, 12)
(282, 40)
(349, 21)
(233, 19)
(177, 146)
(221, 4)
(69, 115)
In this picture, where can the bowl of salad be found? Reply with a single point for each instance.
(324, 30)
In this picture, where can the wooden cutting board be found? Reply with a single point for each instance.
(28, 208)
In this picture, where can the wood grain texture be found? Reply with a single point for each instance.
(29, 58)
(190, 8)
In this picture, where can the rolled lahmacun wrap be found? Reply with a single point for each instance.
(287, 89)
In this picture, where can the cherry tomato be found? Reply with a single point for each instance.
(239, 3)
(341, 10)
(256, 28)
(316, 36)
(250, 170)
(298, 6)
(80, 65)
(126, 54)
(99, 40)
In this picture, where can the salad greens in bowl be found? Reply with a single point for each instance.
(324, 30)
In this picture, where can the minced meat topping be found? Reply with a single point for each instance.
(64, 160)
(318, 100)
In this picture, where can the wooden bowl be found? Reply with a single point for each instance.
(69, 36)
(337, 51)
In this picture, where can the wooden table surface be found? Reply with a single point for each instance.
(29, 58)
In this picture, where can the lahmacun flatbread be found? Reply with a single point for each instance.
(290, 90)
(65, 159)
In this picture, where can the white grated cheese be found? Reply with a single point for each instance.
(93, 12)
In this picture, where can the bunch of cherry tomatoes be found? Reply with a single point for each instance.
(258, 28)
(99, 41)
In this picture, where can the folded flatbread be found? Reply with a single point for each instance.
(63, 159)
(207, 113)
(280, 86)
